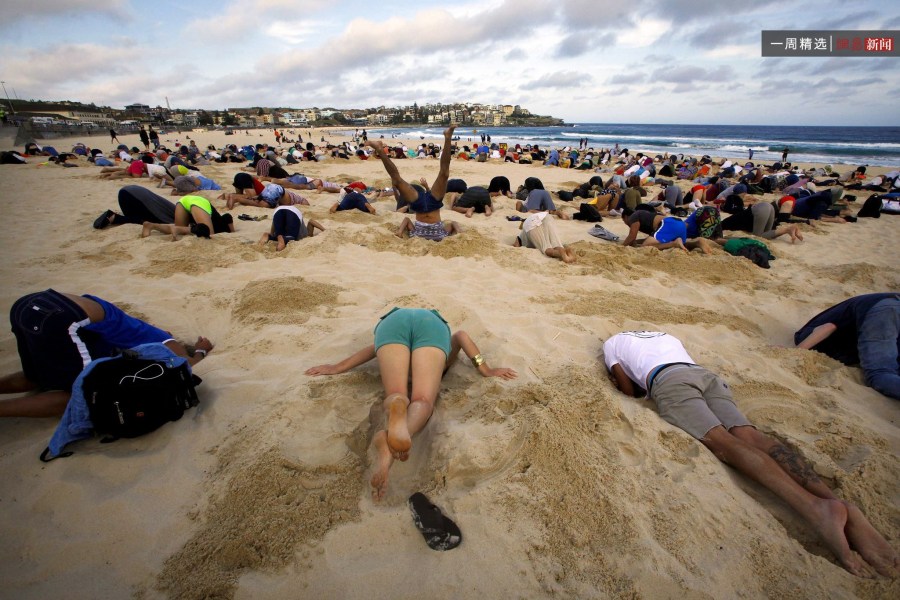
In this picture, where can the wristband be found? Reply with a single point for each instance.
(201, 352)
(477, 360)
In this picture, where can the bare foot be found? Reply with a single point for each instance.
(281, 245)
(795, 234)
(384, 460)
(866, 540)
(377, 146)
(397, 432)
(680, 244)
(448, 133)
(829, 518)
(470, 212)
(705, 245)
(148, 227)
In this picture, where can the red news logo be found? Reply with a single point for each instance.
(880, 44)
(873, 44)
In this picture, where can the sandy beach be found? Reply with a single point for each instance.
(562, 486)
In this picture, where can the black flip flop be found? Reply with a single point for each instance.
(439, 531)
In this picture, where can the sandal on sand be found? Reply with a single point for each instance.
(515, 218)
(439, 531)
(246, 217)
(103, 220)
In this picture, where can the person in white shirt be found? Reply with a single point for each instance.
(700, 402)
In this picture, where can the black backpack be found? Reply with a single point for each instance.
(871, 207)
(128, 396)
(588, 212)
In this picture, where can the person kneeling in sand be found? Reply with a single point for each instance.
(664, 232)
(538, 200)
(424, 202)
(411, 344)
(351, 199)
(475, 199)
(864, 331)
(700, 402)
(193, 215)
(288, 226)
(58, 335)
(538, 232)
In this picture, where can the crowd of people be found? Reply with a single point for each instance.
(414, 347)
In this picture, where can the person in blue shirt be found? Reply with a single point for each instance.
(58, 335)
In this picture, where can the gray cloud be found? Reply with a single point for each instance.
(15, 12)
(561, 79)
(590, 14)
(576, 44)
(721, 33)
(690, 74)
(631, 78)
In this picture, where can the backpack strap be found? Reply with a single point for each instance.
(46, 453)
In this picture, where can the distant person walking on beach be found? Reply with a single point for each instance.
(784, 154)
(145, 138)
(112, 136)
(750, 154)
(154, 138)
(700, 402)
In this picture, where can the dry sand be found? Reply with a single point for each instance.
(562, 486)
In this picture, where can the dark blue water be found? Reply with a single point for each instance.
(850, 145)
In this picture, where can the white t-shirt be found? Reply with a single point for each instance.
(293, 209)
(639, 352)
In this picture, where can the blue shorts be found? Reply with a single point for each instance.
(670, 230)
(413, 328)
(46, 325)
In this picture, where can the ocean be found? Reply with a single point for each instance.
(831, 145)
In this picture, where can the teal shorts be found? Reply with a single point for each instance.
(414, 328)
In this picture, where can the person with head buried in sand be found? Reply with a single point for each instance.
(411, 344)
(700, 402)
(425, 202)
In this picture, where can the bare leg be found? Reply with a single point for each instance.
(406, 226)
(863, 537)
(262, 240)
(439, 187)
(451, 228)
(312, 225)
(384, 459)
(406, 191)
(827, 517)
(16, 383)
(651, 242)
(280, 244)
(702, 243)
(44, 404)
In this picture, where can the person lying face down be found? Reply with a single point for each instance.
(58, 335)
(700, 402)
(414, 347)
(863, 330)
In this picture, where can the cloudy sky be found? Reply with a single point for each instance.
(634, 61)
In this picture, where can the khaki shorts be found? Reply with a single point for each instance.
(695, 400)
